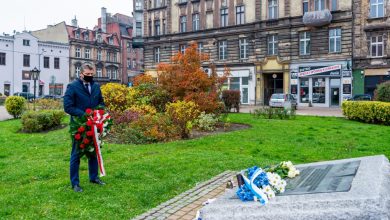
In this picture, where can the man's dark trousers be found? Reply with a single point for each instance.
(75, 164)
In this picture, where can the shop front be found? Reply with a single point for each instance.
(321, 84)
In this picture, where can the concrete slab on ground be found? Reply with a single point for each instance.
(4, 114)
(312, 111)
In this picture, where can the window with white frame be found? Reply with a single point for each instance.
(108, 72)
(99, 55)
(26, 42)
(99, 72)
(273, 44)
(78, 69)
(243, 48)
(156, 54)
(138, 5)
(272, 9)
(377, 46)
(304, 43)
(377, 8)
(200, 47)
(182, 48)
(240, 14)
(164, 29)
(128, 63)
(111, 40)
(77, 34)
(134, 64)
(78, 52)
(87, 53)
(156, 27)
(222, 49)
(138, 29)
(86, 36)
(195, 22)
(319, 5)
(333, 6)
(114, 57)
(108, 57)
(114, 74)
(335, 40)
(99, 38)
(305, 6)
(183, 24)
(224, 17)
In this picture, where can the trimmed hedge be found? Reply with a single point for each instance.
(367, 111)
(36, 121)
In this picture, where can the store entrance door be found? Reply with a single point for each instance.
(334, 96)
(273, 83)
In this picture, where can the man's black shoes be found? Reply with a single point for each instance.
(98, 181)
(77, 188)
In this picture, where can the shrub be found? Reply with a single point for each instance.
(143, 79)
(367, 111)
(15, 105)
(274, 113)
(206, 122)
(125, 117)
(143, 109)
(207, 102)
(231, 99)
(118, 97)
(182, 114)
(382, 92)
(46, 104)
(35, 121)
(151, 94)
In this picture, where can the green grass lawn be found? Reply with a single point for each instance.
(34, 168)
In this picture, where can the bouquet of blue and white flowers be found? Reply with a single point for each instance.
(262, 185)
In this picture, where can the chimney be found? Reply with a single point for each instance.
(104, 19)
(74, 21)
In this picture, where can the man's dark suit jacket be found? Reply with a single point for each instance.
(77, 98)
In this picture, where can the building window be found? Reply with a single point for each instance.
(78, 69)
(376, 8)
(99, 72)
(200, 47)
(164, 27)
(157, 3)
(156, 54)
(108, 57)
(138, 5)
(56, 63)
(319, 5)
(46, 62)
(77, 35)
(305, 6)
(108, 74)
(114, 57)
(138, 29)
(335, 40)
(134, 64)
(111, 41)
(377, 46)
(114, 74)
(222, 50)
(2, 59)
(244, 48)
(272, 9)
(304, 90)
(240, 15)
(128, 63)
(334, 5)
(224, 17)
(272, 45)
(150, 28)
(87, 53)
(86, 36)
(78, 52)
(318, 90)
(26, 60)
(26, 42)
(182, 48)
(183, 23)
(195, 22)
(99, 55)
(99, 38)
(304, 43)
(157, 27)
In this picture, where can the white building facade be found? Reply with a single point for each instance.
(21, 53)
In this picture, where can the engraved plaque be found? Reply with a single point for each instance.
(323, 179)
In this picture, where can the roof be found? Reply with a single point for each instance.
(91, 34)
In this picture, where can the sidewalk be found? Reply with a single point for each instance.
(4, 114)
(313, 111)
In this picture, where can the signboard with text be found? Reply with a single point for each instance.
(320, 71)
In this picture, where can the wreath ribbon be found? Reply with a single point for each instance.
(98, 122)
(259, 194)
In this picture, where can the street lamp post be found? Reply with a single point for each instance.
(35, 75)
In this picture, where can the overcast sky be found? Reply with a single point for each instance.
(37, 14)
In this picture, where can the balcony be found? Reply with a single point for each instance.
(138, 42)
(317, 18)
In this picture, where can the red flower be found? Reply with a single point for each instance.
(86, 141)
(81, 129)
(95, 118)
(89, 123)
(77, 137)
(90, 133)
(82, 146)
(101, 112)
(88, 111)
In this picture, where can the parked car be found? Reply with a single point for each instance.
(57, 97)
(26, 95)
(278, 100)
(361, 97)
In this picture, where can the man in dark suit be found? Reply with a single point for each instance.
(81, 94)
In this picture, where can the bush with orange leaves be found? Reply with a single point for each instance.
(143, 79)
(184, 79)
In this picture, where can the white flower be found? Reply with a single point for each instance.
(292, 173)
(268, 189)
(271, 195)
(289, 164)
(297, 172)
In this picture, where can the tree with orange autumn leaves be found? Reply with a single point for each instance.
(185, 79)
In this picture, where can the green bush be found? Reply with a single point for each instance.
(15, 105)
(382, 92)
(367, 111)
(274, 113)
(36, 121)
(206, 122)
(46, 104)
(183, 114)
(231, 99)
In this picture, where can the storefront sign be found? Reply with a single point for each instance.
(320, 71)
(294, 81)
(347, 88)
(347, 73)
(294, 74)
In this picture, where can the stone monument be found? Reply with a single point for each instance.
(356, 188)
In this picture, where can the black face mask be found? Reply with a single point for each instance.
(88, 78)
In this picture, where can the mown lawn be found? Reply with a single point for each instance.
(34, 168)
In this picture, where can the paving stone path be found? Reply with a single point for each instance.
(186, 205)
